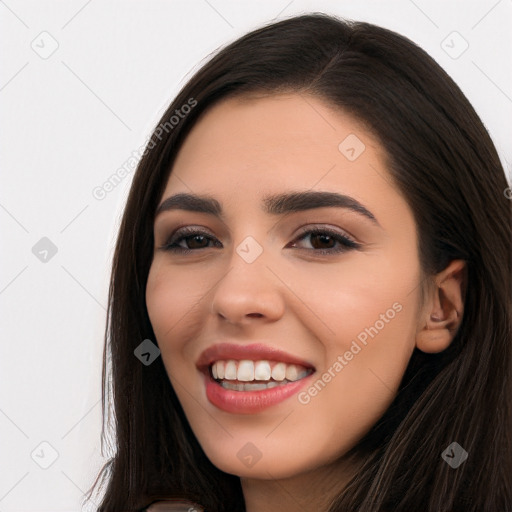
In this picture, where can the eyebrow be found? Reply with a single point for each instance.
(278, 204)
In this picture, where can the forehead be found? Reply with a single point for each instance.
(252, 146)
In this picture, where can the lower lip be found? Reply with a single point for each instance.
(250, 402)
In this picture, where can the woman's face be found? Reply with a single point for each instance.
(306, 305)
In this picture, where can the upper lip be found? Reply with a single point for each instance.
(252, 351)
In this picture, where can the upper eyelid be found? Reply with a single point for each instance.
(304, 228)
(189, 230)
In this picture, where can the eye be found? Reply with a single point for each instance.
(189, 239)
(327, 241)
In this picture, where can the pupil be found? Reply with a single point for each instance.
(195, 238)
(323, 239)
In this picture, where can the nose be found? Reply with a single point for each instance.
(248, 291)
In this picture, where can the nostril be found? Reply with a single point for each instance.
(254, 314)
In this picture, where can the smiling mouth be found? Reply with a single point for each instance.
(255, 375)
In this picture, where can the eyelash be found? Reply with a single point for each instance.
(184, 233)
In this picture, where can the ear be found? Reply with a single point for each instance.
(444, 308)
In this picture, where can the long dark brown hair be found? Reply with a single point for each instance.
(443, 161)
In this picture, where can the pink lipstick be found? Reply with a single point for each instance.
(245, 379)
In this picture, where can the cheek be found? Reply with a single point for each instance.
(354, 389)
(173, 301)
(364, 298)
(369, 317)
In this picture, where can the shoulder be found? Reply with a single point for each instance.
(174, 506)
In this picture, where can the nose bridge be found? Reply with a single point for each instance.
(248, 288)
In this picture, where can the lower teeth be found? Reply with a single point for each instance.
(226, 384)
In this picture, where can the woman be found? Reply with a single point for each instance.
(317, 240)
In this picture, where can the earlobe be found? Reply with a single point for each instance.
(444, 310)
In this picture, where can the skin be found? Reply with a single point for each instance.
(292, 297)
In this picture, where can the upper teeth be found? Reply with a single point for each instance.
(247, 370)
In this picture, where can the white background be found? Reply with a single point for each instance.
(69, 121)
